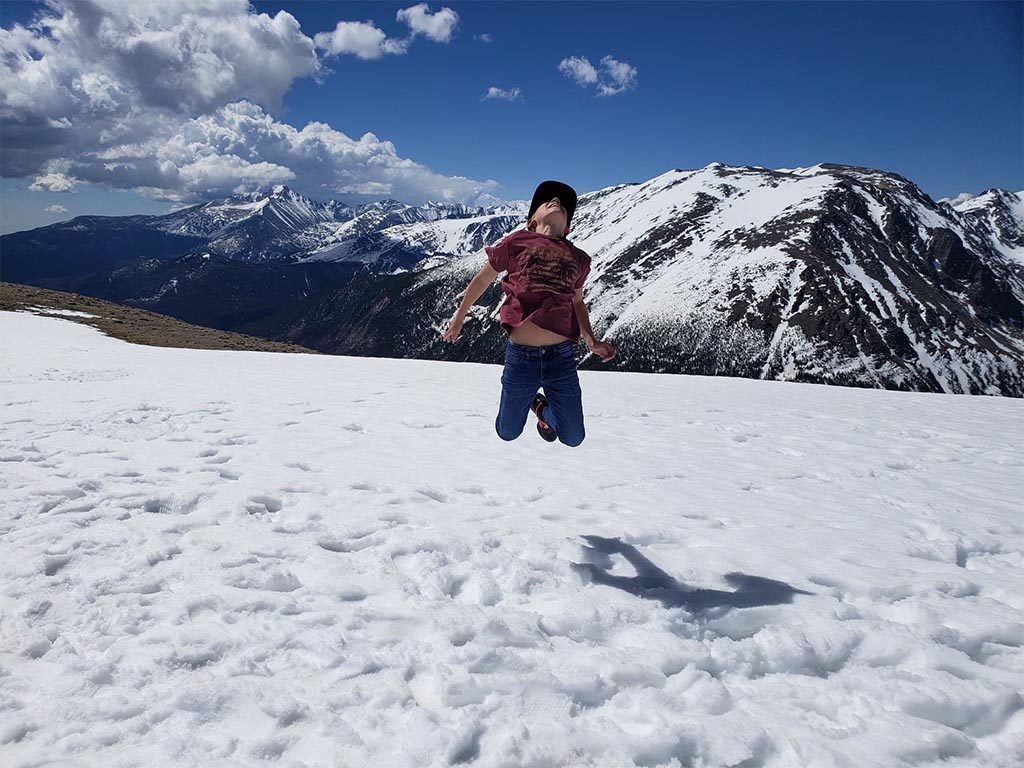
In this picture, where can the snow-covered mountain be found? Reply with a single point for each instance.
(381, 235)
(282, 209)
(259, 227)
(1001, 215)
(277, 225)
(389, 234)
(830, 274)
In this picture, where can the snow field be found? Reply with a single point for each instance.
(235, 558)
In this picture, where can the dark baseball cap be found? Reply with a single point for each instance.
(547, 190)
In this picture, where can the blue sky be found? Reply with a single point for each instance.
(932, 91)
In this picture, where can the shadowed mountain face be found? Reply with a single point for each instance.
(210, 290)
(830, 274)
(127, 323)
(84, 245)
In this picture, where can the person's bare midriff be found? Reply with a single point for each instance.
(530, 335)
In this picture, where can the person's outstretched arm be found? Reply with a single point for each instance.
(602, 349)
(473, 291)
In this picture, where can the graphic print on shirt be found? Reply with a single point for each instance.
(548, 269)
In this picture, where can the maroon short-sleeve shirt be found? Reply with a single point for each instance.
(543, 275)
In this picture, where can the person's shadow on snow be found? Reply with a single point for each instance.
(653, 583)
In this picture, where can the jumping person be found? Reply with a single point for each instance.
(544, 317)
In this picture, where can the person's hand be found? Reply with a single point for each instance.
(454, 328)
(603, 349)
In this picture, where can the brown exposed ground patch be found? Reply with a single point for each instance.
(133, 325)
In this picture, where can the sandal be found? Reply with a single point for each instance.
(539, 404)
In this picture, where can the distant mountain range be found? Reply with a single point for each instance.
(276, 226)
(831, 274)
(231, 261)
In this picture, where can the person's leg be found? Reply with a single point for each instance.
(564, 412)
(520, 381)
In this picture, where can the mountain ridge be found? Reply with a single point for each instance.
(831, 273)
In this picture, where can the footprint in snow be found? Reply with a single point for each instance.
(236, 440)
(54, 563)
(227, 474)
(262, 505)
(900, 466)
(275, 581)
(432, 493)
(367, 486)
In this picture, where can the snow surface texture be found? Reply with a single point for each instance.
(233, 558)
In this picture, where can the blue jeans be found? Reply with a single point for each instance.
(527, 369)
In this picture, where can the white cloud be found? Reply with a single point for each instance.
(614, 77)
(618, 77)
(360, 38)
(55, 209)
(82, 58)
(54, 178)
(366, 188)
(367, 41)
(171, 99)
(439, 27)
(963, 197)
(579, 69)
(92, 74)
(241, 148)
(510, 94)
(484, 37)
